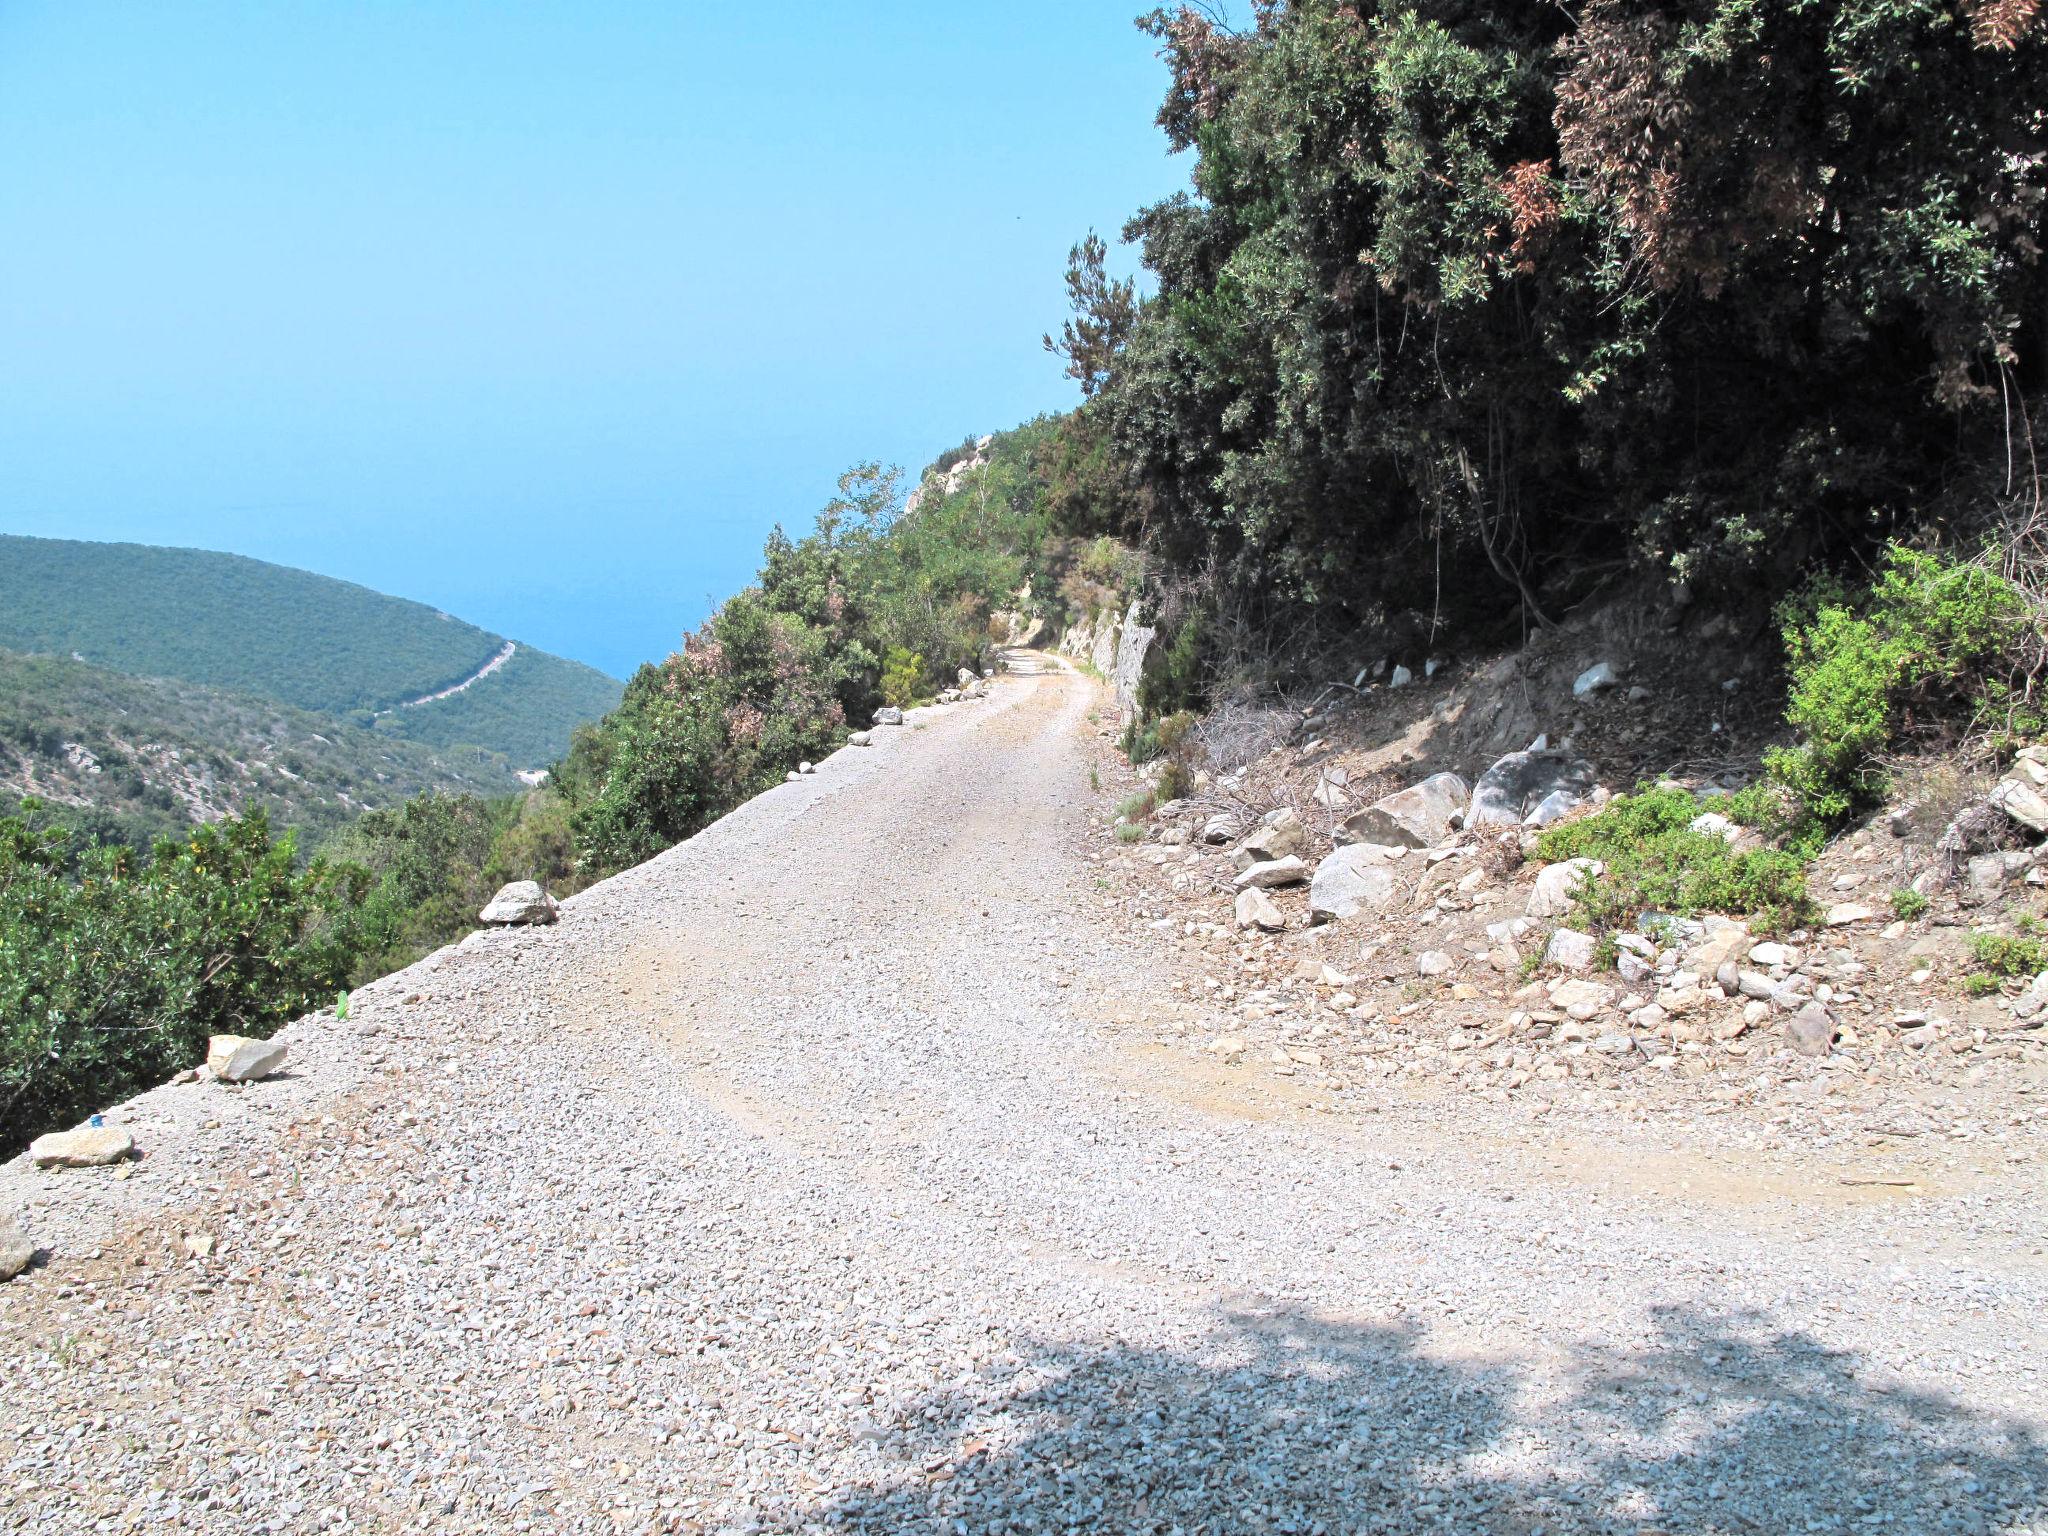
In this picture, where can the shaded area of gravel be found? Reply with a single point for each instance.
(798, 1181)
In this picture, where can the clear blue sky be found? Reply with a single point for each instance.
(542, 313)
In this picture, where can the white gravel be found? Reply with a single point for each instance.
(801, 1180)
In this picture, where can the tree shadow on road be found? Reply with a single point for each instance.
(1283, 1422)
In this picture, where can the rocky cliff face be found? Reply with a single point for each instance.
(1115, 645)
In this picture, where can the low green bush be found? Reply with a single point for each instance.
(1655, 862)
(2005, 957)
(1925, 651)
(1908, 904)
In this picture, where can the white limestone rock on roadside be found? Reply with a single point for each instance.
(1354, 879)
(1255, 909)
(1530, 788)
(1810, 1031)
(239, 1059)
(1273, 872)
(1276, 836)
(16, 1251)
(2023, 793)
(1557, 883)
(888, 714)
(1571, 950)
(1420, 816)
(521, 904)
(89, 1146)
(861, 739)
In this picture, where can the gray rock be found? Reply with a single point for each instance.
(16, 1251)
(1273, 872)
(1401, 679)
(1219, 829)
(86, 1147)
(1810, 1031)
(1420, 816)
(2023, 793)
(1552, 896)
(2030, 1002)
(888, 714)
(1524, 782)
(520, 904)
(1352, 880)
(1281, 835)
(1255, 909)
(1433, 962)
(238, 1059)
(861, 739)
(1596, 679)
(1582, 999)
(1572, 950)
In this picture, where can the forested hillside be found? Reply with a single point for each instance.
(305, 640)
(135, 758)
(1475, 307)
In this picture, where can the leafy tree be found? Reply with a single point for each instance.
(1473, 304)
(116, 967)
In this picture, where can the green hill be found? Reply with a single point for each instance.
(146, 755)
(226, 622)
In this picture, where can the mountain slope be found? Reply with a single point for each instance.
(152, 754)
(224, 621)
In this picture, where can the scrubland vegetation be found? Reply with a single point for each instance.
(1475, 313)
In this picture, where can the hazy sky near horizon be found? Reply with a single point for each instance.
(543, 313)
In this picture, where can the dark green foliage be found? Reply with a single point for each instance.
(114, 967)
(1909, 904)
(225, 622)
(1473, 303)
(1655, 863)
(1929, 651)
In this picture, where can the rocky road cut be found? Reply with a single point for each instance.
(804, 1179)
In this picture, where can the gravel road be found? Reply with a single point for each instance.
(806, 1179)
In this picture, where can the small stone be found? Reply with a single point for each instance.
(1582, 999)
(1596, 679)
(1274, 872)
(238, 1059)
(806, 767)
(87, 1147)
(1571, 949)
(861, 739)
(1843, 913)
(1255, 909)
(16, 1251)
(1811, 1031)
(1433, 962)
(1352, 880)
(888, 714)
(1557, 883)
(520, 904)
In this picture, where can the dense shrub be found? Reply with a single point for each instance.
(1926, 652)
(114, 967)
(1656, 863)
(1473, 302)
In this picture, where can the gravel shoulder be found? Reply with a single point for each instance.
(843, 1169)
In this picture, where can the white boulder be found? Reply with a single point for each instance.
(521, 904)
(238, 1059)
